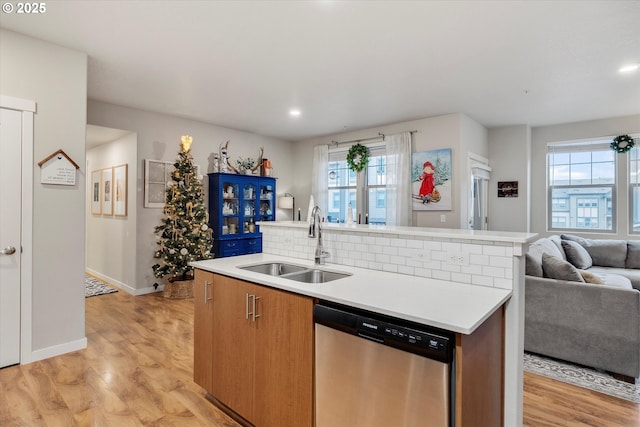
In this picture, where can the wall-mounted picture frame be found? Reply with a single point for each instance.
(507, 188)
(96, 205)
(120, 182)
(106, 193)
(431, 181)
(157, 174)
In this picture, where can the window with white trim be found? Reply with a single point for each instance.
(634, 189)
(582, 186)
(367, 195)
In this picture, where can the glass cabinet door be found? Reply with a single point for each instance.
(267, 194)
(249, 205)
(230, 208)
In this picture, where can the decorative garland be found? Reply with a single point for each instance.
(358, 157)
(622, 143)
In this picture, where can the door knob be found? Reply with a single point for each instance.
(9, 250)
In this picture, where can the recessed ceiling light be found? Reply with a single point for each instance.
(629, 68)
(294, 112)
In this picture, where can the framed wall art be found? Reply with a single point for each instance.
(106, 196)
(431, 180)
(120, 178)
(96, 206)
(507, 188)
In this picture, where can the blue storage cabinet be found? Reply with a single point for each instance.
(236, 204)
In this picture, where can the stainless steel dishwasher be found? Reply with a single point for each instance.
(378, 371)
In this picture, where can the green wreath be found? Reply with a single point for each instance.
(622, 143)
(358, 157)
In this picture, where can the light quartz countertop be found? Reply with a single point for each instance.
(442, 233)
(452, 306)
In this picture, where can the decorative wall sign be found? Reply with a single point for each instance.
(106, 196)
(96, 206)
(58, 169)
(431, 180)
(507, 188)
(120, 178)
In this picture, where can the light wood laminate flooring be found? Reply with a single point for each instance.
(137, 371)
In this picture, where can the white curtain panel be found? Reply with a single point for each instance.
(398, 197)
(319, 180)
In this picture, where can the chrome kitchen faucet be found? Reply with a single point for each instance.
(316, 220)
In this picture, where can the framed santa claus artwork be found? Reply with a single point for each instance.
(431, 180)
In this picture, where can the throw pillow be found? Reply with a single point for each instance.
(590, 277)
(633, 254)
(576, 254)
(556, 268)
(531, 266)
(604, 252)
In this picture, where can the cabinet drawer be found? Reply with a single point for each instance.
(253, 246)
(234, 247)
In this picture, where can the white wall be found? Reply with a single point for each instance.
(541, 136)
(455, 131)
(473, 139)
(159, 139)
(509, 152)
(56, 79)
(111, 240)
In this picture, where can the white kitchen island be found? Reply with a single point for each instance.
(450, 279)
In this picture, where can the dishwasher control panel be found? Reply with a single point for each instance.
(398, 333)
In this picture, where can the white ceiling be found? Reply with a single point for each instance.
(352, 65)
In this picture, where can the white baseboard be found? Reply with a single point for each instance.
(128, 289)
(57, 350)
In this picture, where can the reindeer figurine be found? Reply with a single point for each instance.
(225, 164)
(259, 162)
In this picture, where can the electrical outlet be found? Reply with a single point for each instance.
(457, 258)
(443, 218)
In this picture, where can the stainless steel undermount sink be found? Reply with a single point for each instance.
(296, 272)
(317, 276)
(274, 268)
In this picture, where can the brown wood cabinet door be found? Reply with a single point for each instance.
(203, 329)
(284, 359)
(233, 346)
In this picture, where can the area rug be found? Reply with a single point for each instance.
(94, 287)
(581, 376)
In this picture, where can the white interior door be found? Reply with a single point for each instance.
(10, 217)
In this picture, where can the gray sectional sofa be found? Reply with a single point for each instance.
(582, 302)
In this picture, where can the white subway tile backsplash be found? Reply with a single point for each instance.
(493, 271)
(423, 272)
(489, 263)
(503, 283)
(390, 250)
(500, 261)
(494, 250)
(383, 241)
(441, 275)
(392, 268)
(403, 269)
(482, 280)
(415, 244)
(478, 259)
(382, 258)
(460, 277)
(399, 243)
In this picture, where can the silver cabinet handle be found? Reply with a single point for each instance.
(255, 315)
(246, 306)
(207, 298)
(9, 250)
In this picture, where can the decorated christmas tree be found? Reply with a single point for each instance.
(184, 234)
